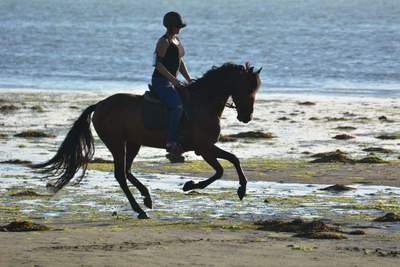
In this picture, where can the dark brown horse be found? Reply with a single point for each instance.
(118, 122)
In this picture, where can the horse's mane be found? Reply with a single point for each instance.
(212, 78)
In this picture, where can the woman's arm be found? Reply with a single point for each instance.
(161, 50)
(183, 70)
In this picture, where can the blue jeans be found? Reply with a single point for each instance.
(170, 97)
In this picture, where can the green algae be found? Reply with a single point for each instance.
(198, 166)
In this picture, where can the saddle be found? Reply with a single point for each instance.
(155, 113)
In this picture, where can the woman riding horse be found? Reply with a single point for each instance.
(118, 121)
(168, 62)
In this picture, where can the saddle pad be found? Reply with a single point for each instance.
(154, 113)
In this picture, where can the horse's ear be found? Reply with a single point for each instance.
(259, 70)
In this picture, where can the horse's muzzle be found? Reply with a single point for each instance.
(246, 118)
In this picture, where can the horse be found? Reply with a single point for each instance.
(118, 122)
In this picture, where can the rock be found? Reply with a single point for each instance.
(343, 137)
(33, 134)
(329, 157)
(313, 119)
(23, 226)
(306, 103)
(337, 188)
(3, 136)
(388, 136)
(388, 217)
(378, 150)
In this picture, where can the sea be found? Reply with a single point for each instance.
(311, 47)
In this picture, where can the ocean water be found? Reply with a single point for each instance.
(305, 47)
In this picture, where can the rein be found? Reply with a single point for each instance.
(230, 105)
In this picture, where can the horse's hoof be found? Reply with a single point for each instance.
(189, 185)
(148, 202)
(143, 216)
(241, 192)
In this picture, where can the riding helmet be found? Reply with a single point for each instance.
(173, 19)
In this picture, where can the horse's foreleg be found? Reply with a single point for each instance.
(210, 157)
(131, 152)
(222, 154)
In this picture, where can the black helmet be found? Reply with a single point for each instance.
(173, 19)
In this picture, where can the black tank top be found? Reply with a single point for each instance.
(171, 60)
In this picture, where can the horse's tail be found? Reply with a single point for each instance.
(75, 152)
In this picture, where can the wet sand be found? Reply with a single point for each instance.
(125, 241)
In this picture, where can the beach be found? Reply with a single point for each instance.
(91, 224)
(321, 154)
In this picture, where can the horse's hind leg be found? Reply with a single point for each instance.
(210, 157)
(131, 152)
(118, 152)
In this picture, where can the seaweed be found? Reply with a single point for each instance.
(385, 119)
(306, 103)
(343, 137)
(334, 156)
(37, 108)
(295, 226)
(33, 134)
(28, 193)
(388, 217)
(337, 188)
(388, 136)
(346, 128)
(378, 150)
(253, 135)
(100, 160)
(372, 159)
(16, 161)
(23, 226)
(8, 108)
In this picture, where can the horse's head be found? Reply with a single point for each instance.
(244, 92)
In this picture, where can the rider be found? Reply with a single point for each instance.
(168, 62)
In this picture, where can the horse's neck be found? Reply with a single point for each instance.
(208, 103)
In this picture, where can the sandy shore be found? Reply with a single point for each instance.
(150, 244)
(124, 241)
